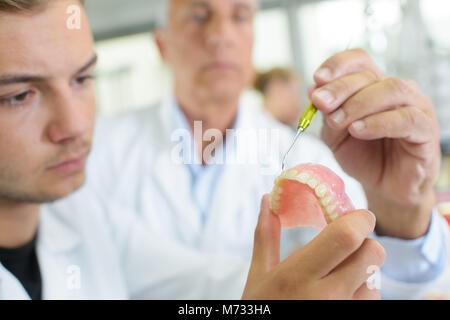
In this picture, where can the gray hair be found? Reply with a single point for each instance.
(161, 13)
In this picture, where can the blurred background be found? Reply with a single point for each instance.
(407, 38)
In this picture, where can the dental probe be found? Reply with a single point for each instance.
(306, 119)
(304, 123)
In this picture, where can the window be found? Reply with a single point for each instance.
(130, 73)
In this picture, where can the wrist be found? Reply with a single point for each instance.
(399, 221)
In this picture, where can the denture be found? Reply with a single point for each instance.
(309, 195)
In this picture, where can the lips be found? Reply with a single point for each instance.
(221, 65)
(70, 165)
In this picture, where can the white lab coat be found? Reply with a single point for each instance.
(83, 254)
(133, 164)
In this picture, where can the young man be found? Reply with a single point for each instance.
(47, 110)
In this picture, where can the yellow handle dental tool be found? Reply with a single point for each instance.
(307, 117)
(304, 123)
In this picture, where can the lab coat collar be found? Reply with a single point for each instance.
(10, 287)
(180, 122)
(57, 231)
(55, 234)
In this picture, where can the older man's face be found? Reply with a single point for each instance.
(209, 45)
(47, 103)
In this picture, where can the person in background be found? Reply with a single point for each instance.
(281, 89)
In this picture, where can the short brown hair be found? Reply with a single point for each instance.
(262, 80)
(21, 5)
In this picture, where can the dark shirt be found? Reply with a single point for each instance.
(22, 262)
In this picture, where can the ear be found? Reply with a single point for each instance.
(160, 39)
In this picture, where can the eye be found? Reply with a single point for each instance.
(83, 79)
(17, 100)
(201, 15)
(242, 15)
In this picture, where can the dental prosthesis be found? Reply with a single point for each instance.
(309, 195)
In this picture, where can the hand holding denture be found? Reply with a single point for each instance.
(333, 265)
(383, 132)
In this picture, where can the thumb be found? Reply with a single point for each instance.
(266, 247)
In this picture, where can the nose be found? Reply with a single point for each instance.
(68, 113)
(219, 32)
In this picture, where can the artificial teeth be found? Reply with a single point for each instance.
(312, 183)
(275, 205)
(333, 216)
(325, 201)
(330, 208)
(303, 177)
(321, 190)
(291, 173)
(276, 190)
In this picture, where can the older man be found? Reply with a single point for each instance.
(382, 131)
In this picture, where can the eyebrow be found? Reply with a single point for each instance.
(246, 5)
(13, 79)
(200, 4)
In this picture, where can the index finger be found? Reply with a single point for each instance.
(345, 63)
(334, 244)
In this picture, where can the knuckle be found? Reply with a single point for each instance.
(429, 103)
(339, 87)
(335, 61)
(346, 236)
(375, 250)
(342, 86)
(413, 116)
(362, 52)
(332, 63)
(413, 85)
(399, 86)
(371, 75)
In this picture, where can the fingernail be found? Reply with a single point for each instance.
(374, 217)
(324, 96)
(358, 125)
(338, 116)
(323, 74)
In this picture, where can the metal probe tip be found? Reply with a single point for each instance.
(283, 163)
(304, 123)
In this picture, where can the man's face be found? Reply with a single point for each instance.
(208, 44)
(47, 103)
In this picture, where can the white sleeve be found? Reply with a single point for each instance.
(426, 272)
